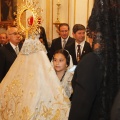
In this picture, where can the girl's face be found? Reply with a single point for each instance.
(59, 62)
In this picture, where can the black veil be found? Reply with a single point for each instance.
(105, 19)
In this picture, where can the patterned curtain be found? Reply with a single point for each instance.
(105, 18)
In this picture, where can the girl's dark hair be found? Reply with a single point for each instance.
(65, 53)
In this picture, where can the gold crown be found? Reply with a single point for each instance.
(24, 11)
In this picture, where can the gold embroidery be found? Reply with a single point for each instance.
(57, 115)
(11, 108)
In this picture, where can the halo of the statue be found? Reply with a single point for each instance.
(33, 28)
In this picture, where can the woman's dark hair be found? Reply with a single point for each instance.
(65, 53)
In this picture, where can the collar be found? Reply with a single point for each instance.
(13, 46)
(65, 39)
(81, 44)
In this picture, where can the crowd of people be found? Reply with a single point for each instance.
(63, 55)
(12, 39)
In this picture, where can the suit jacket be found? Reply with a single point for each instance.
(1, 45)
(56, 45)
(115, 112)
(7, 57)
(43, 36)
(86, 84)
(71, 48)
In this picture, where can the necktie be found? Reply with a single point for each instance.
(64, 43)
(17, 50)
(78, 53)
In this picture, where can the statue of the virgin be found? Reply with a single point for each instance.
(31, 90)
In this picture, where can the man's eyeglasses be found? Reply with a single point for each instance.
(15, 33)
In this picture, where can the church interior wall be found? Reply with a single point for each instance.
(70, 11)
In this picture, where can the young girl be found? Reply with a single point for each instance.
(61, 62)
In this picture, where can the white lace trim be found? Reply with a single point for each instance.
(32, 46)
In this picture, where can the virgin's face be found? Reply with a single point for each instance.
(59, 62)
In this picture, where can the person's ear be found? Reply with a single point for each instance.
(66, 65)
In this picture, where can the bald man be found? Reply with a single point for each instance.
(7, 52)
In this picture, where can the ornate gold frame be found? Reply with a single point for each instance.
(31, 6)
(5, 23)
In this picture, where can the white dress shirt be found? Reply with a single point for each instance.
(13, 46)
(62, 41)
(81, 47)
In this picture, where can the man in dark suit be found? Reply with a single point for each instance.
(79, 35)
(86, 85)
(3, 39)
(0, 41)
(43, 39)
(63, 41)
(7, 52)
(115, 111)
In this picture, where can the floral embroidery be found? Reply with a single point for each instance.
(31, 90)
(13, 99)
(29, 48)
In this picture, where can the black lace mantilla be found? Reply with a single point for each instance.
(105, 19)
